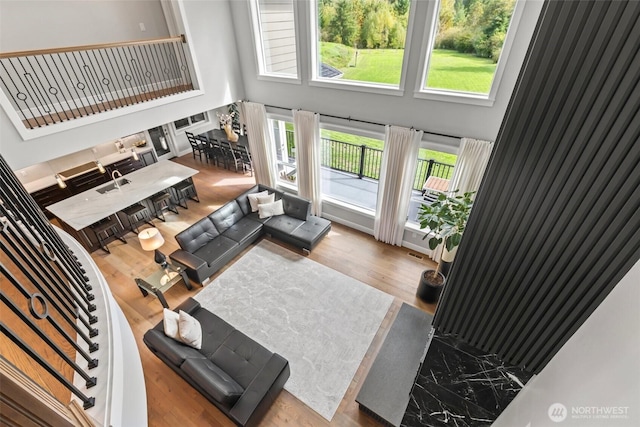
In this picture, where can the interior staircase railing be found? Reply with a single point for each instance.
(50, 86)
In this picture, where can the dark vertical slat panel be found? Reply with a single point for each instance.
(594, 197)
(532, 175)
(465, 296)
(561, 188)
(581, 184)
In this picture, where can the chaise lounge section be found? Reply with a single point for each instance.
(239, 376)
(212, 242)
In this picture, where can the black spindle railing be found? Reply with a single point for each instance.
(56, 85)
(364, 161)
(44, 295)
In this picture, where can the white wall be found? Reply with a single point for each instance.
(72, 22)
(598, 367)
(443, 117)
(209, 31)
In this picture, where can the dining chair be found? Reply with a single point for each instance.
(196, 145)
(242, 153)
(230, 156)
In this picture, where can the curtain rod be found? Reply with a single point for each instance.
(366, 121)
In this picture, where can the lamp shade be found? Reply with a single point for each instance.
(150, 239)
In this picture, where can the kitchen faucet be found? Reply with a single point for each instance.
(113, 176)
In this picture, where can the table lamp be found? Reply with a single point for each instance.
(151, 240)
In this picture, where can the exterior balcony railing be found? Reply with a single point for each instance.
(56, 85)
(364, 161)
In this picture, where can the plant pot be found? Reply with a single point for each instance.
(446, 260)
(430, 286)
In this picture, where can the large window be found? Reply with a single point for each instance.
(466, 45)
(282, 135)
(351, 167)
(275, 34)
(361, 40)
(433, 172)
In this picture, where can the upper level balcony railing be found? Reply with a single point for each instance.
(365, 161)
(55, 85)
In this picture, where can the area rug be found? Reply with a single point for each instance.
(320, 320)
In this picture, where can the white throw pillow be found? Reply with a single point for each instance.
(190, 330)
(170, 324)
(269, 198)
(253, 199)
(270, 209)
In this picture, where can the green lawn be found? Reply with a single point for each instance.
(458, 71)
(375, 65)
(448, 70)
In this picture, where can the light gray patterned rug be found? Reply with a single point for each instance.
(318, 319)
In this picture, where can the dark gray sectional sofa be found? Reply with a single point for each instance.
(235, 373)
(212, 242)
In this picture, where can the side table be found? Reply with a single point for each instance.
(161, 281)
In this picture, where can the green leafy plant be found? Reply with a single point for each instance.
(445, 219)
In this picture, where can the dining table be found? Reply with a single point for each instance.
(221, 135)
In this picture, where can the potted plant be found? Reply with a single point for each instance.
(445, 220)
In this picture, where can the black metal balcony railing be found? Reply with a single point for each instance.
(364, 162)
(55, 85)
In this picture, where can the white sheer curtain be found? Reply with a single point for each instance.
(306, 130)
(260, 143)
(470, 165)
(397, 173)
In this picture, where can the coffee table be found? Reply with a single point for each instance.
(161, 281)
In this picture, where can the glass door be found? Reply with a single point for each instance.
(162, 143)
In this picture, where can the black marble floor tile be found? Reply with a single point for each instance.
(457, 372)
(434, 406)
(502, 384)
(480, 378)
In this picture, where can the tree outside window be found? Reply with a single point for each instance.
(362, 40)
(468, 43)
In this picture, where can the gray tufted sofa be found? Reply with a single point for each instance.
(235, 373)
(212, 242)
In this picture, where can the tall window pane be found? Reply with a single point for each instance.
(277, 37)
(468, 44)
(362, 40)
(282, 133)
(351, 167)
(433, 172)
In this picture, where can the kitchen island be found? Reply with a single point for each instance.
(80, 211)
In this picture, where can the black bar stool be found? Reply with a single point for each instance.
(162, 202)
(137, 214)
(185, 190)
(106, 229)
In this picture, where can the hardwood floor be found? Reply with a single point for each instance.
(171, 401)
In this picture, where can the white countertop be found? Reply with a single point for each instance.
(50, 180)
(88, 207)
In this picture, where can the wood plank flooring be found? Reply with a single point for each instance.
(171, 401)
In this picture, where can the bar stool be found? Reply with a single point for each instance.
(110, 228)
(137, 214)
(162, 202)
(185, 190)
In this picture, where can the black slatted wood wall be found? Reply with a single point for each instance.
(556, 222)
